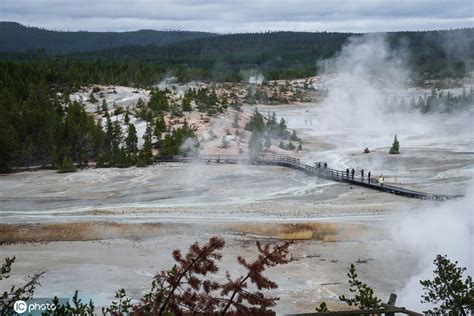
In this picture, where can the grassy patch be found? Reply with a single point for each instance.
(293, 231)
(76, 231)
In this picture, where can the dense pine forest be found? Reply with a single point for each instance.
(36, 128)
(286, 55)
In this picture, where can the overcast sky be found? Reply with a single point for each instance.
(240, 16)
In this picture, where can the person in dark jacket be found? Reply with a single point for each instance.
(325, 165)
(362, 175)
(347, 173)
(352, 173)
(368, 176)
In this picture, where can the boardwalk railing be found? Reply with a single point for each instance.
(318, 170)
(387, 309)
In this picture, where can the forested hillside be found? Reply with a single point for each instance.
(205, 56)
(276, 54)
(15, 37)
(295, 54)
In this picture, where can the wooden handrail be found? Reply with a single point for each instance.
(371, 311)
(389, 309)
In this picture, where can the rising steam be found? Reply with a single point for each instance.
(360, 79)
(447, 229)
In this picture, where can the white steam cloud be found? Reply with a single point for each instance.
(365, 74)
(446, 230)
(358, 79)
(256, 79)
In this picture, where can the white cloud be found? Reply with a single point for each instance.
(240, 16)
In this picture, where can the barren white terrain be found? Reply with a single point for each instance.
(187, 203)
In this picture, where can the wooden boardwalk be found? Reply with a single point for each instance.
(295, 163)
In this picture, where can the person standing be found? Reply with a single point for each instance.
(362, 175)
(347, 173)
(325, 165)
(381, 180)
(368, 177)
(352, 173)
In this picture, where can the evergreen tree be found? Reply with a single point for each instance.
(256, 122)
(105, 108)
(364, 296)
(281, 145)
(294, 137)
(186, 104)
(395, 149)
(117, 138)
(447, 288)
(160, 126)
(107, 152)
(140, 104)
(272, 124)
(122, 160)
(67, 165)
(291, 146)
(283, 129)
(131, 144)
(146, 154)
(109, 155)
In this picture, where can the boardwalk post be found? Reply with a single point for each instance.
(391, 302)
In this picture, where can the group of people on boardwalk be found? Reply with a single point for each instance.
(362, 174)
(350, 174)
(325, 165)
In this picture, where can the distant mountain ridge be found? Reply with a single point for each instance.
(15, 37)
